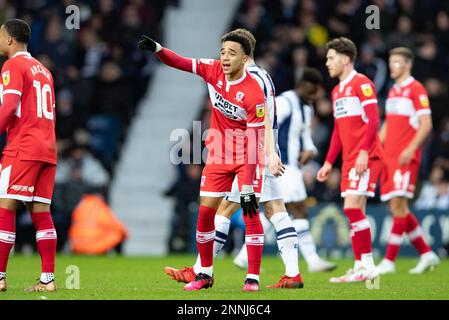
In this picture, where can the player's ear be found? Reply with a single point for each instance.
(245, 58)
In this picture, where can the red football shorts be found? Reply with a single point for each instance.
(25, 180)
(364, 185)
(217, 179)
(398, 181)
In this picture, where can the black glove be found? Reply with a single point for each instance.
(146, 43)
(249, 204)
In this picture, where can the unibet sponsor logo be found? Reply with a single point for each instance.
(227, 108)
(340, 108)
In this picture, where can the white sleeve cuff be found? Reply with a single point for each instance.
(423, 112)
(367, 102)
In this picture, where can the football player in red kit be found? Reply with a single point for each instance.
(355, 134)
(407, 124)
(28, 162)
(237, 120)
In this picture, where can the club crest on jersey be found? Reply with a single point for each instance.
(6, 78)
(424, 100)
(260, 110)
(239, 96)
(406, 92)
(220, 84)
(367, 90)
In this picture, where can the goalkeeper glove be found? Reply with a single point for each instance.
(248, 201)
(146, 43)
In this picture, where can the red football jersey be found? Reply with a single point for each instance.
(235, 105)
(349, 98)
(405, 103)
(31, 133)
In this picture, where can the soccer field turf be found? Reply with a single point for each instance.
(143, 278)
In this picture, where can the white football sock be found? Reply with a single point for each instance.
(287, 241)
(367, 261)
(305, 241)
(46, 277)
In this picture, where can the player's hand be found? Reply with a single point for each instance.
(406, 157)
(361, 164)
(248, 201)
(306, 156)
(324, 172)
(275, 165)
(146, 43)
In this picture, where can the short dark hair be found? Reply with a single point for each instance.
(244, 42)
(344, 46)
(311, 75)
(18, 29)
(407, 53)
(247, 34)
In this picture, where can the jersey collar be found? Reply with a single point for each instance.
(348, 78)
(234, 82)
(19, 53)
(406, 82)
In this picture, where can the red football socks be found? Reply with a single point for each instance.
(7, 236)
(396, 238)
(205, 235)
(415, 234)
(46, 240)
(360, 232)
(254, 239)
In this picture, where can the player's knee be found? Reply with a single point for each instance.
(9, 204)
(399, 207)
(225, 213)
(273, 207)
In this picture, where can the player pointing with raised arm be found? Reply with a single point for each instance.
(238, 112)
(271, 197)
(355, 134)
(28, 163)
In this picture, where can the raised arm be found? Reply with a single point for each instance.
(170, 58)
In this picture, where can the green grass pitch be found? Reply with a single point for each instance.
(143, 278)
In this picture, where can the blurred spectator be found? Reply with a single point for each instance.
(112, 94)
(82, 167)
(435, 192)
(441, 141)
(373, 67)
